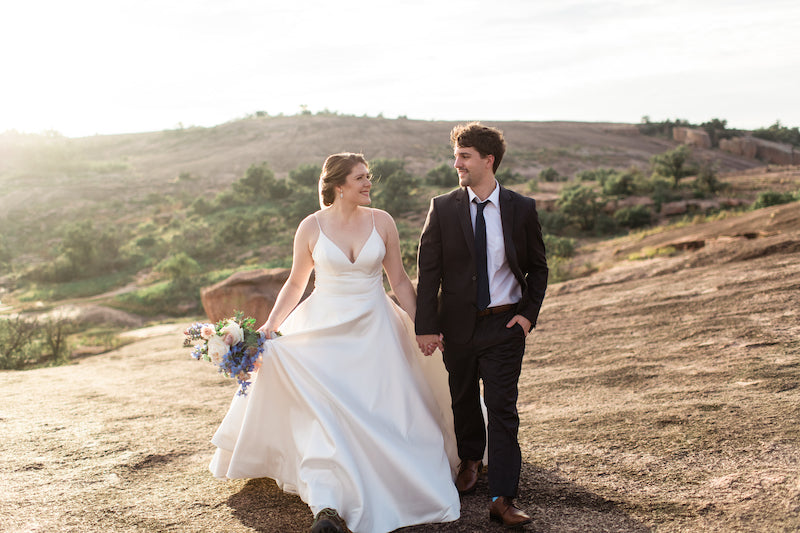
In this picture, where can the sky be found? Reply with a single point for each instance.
(87, 67)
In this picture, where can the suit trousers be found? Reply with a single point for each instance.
(494, 355)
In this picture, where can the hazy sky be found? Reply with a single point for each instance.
(118, 66)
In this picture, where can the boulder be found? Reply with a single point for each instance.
(252, 291)
(698, 139)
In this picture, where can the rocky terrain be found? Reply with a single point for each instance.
(658, 394)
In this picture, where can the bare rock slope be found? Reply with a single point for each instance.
(661, 394)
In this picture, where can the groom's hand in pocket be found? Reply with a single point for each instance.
(523, 322)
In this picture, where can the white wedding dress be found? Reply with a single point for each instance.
(345, 411)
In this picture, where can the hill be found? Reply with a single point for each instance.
(114, 176)
(657, 395)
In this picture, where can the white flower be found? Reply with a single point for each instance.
(207, 331)
(234, 330)
(217, 349)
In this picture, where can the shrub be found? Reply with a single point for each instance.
(395, 191)
(597, 174)
(259, 184)
(661, 191)
(707, 182)
(558, 246)
(442, 176)
(580, 205)
(779, 133)
(769, 198)
(306, 175)
(507, 177)
(636, 216)
(555, 222)
(550, 174)
(178, 267)
(674, 164)
(619, 184)
(303, 202)
(29, 342)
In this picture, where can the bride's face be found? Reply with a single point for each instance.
(357, 186)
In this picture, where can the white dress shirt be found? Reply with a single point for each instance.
(503, 286)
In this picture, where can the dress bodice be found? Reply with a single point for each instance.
(335, 273)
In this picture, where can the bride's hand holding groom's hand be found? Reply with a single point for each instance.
(429, 343)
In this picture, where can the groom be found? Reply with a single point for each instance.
(482, 247)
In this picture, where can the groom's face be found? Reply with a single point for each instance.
(473, 170)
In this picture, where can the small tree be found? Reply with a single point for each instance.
(259, 184)
(306, 175)
(443, 175)
(707, 182)
(395, 186)
(579, 203)
(549, 174)
(674, 164)
(179, 268)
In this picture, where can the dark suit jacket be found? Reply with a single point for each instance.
(446, 261)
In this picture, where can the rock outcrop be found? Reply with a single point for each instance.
(693, 137)
(253, 292)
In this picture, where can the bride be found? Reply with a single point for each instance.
(344, 410)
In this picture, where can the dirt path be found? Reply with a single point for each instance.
(661, 395)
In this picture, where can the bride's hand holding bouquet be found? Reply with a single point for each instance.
(233, 345)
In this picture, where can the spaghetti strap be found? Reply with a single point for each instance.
(318, 226)
(372, 212)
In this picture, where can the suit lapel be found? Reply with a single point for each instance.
(462, 205)
(507, 219)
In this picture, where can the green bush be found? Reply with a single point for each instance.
(558, 246)
(597, 174)
(769, 198)
(306, 175)
(636, 216)
(443, 175)
(303, 202)
(259, 184)
(507, 177)
(661, 191)
(619, 184)
(550, 174)
(394, 189)
(779, 133)
(580, 205)
(707, 182)
(555, 222)
(674, 164)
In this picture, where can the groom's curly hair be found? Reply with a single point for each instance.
(334, 173)
(486, 140)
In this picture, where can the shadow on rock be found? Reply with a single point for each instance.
(261, 505)
(554, 503)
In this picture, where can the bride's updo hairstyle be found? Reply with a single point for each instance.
(334, 173)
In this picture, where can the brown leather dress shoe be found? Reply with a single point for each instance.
(467, 476)
(503, 510)
(329, 521)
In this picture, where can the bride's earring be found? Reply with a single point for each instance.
(341, 194)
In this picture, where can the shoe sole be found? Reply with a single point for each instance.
(496, 518)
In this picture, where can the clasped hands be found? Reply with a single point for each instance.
(429, 343)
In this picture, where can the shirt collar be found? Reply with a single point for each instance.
(494, 197)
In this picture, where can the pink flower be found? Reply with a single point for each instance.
(207, 331)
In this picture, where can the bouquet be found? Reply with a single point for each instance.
(231, 344)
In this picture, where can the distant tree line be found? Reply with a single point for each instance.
(717, 130)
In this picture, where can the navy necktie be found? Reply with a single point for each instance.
(480, 256)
